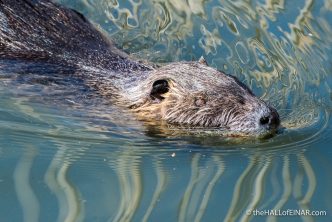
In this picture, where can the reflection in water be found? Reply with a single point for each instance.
(145, 178)
(287, 188)
(245, 179)
(93, 164)
(142, 182)
(130, 182)
(212, 178)
(56, 178)
(304, 200)
(160, 187)
(25, 194)
(201, 183)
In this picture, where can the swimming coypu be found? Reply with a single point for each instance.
(183, 93)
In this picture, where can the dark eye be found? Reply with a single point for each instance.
(159, 88)
(200, 101)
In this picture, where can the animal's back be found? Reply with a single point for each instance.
(43, 30)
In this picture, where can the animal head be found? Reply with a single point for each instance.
(195, 95)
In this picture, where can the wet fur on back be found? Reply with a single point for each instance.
(42, 30)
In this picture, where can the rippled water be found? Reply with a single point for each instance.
(66, 155)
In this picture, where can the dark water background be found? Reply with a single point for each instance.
(66, 156)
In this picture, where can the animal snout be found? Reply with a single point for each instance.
(271, 120)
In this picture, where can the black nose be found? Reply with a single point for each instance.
(271, 121)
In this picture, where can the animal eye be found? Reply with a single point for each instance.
(200, 101)
(159, 88)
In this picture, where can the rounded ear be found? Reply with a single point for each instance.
(202, 61)
(159, 88)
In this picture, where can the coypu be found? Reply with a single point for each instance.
(190, 94)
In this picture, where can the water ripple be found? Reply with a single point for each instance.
(79, 159)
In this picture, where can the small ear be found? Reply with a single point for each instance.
(202, 61)
(159, 88)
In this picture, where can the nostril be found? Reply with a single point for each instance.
(264, 120)
(271, 121)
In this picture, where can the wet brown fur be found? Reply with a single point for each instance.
(188, 94)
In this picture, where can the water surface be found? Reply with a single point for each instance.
(68, 155)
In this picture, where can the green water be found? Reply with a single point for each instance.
(67, 156)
